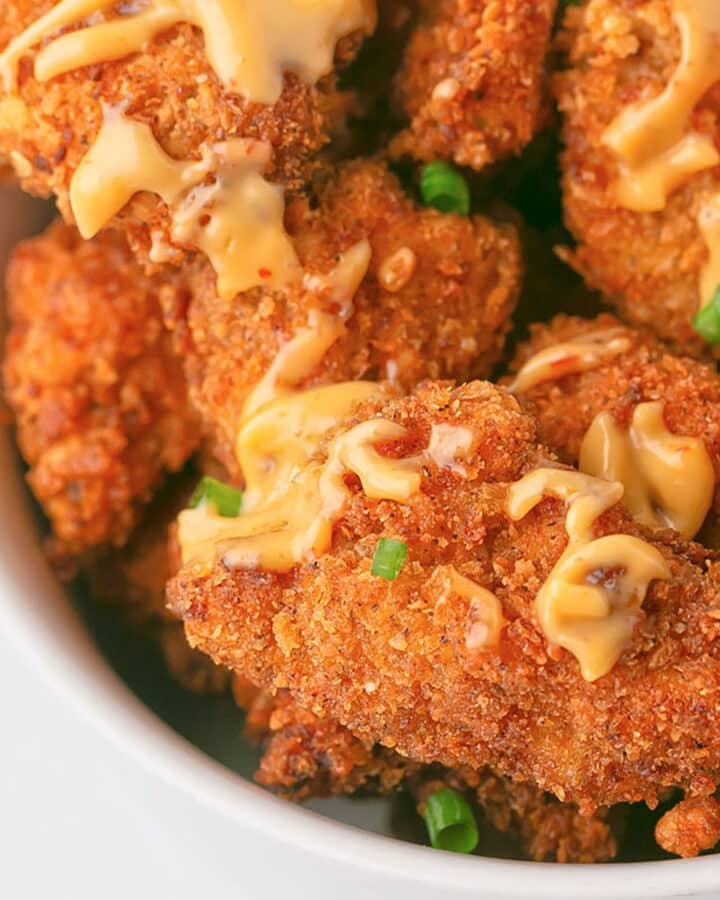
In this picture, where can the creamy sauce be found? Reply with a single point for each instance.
(282, 426)
(14, 114)
(653, 140)
(250, 45)
(447, 443)
(591, 600)
(485, 620)
(581, 354)
(298, 526)
(669, 479)
(220, 203)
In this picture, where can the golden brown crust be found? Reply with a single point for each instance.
(650, 722)
(566, 407)
(132, 580)
(549, 831)
(449, 320)
(306, 756)
(647, 264)
(690, 827)
(99, 397)
(172, 88)
(488, 59)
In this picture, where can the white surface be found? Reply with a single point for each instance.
(79, 819)
(76, 818)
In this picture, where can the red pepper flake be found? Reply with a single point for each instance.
(265, 273)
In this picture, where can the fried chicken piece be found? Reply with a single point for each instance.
(171, 87)
(436, 302)
(690, 827)
(565, 407)
(99, 397)
(648, 264)
(306, 756)
(549, 831)
(131, 579)
(309, 757)
(382, 659)
(472, 80)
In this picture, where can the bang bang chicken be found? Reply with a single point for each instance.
(176, 120)
(641, 97)
(489, 534)
(98, 394)
(391, 291)
(276, 380)
(472, 81)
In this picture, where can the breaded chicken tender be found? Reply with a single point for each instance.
(306, 756)
(436, 301)
(690, 827)
(99, 397)
(48, 126)
(650, 262)
(548, 831)
(472, 81)
(565, 405)
(131, 579)
(405, 663)
(310, 757)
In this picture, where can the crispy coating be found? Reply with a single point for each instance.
(549, 831)
(472, 81)
(449, 319)
(565, 407)
(309, 757)
(647, 264)
(132, 580)
(382, 659)
(171, 87)
(99, 397)
(690, 827)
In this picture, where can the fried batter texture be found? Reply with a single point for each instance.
(472, 82)
(565, 407)
(436, 302)
(132, 580)
(171, 87)
(309, 757)
(99, 397)
(648, 264)
(388, 662)
(690, 827)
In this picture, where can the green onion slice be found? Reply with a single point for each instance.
(707, 321)
(227, 500)
(451, 822)
(390, 556)
(444, 188)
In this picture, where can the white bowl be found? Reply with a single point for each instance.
(40, 618)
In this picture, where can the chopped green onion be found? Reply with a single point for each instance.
(451, 822)
(444, 188)
(707, 321)
(226, 500)
(390, 556)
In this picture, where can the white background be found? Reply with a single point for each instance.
(79, 820)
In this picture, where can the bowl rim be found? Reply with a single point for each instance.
(51, 637)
